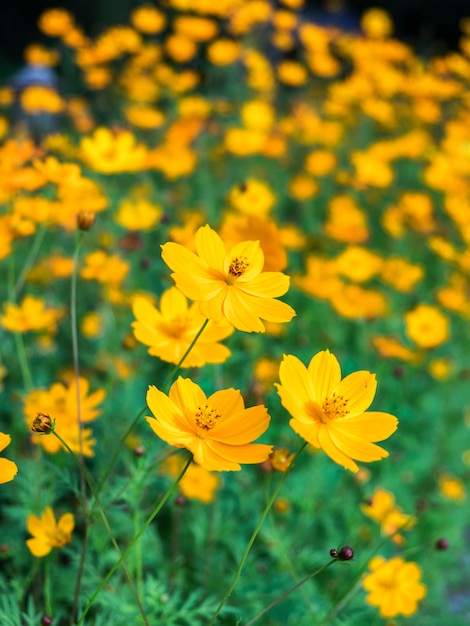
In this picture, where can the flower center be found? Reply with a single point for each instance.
(237, 266)
(333, 407)
(206, 417)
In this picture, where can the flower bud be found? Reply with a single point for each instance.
(43, 424)
(345, 553)
(85, 220)
(441, 544)
(46, 620)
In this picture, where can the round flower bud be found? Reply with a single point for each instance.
(345, 553)
(441, 544)
(46, 620)
(85, 220)
(42, 424)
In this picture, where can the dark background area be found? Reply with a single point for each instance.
(431, 26)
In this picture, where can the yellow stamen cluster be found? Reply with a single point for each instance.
(238, 266)
(335, 406)
(206, 417)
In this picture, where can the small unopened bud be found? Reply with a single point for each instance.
(43, 424)
(139, 451)
(85, 220)
(243, 187)
(46, 620)
(345, 553)
(281, 459)
(441, 544)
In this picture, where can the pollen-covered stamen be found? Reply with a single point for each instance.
(206, 417)
(238, 266)
(334, 406)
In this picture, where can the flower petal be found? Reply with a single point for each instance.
(8, 470)
(309, 432)
(239, 313)
(325, 373)
(4, 441)
(38, 547)
(355, 447)
(332, 450)
(296, 381)
(359, 389)
(266, 284)
(243, 427)
(372, 425)
(227, 401)
(210, 248)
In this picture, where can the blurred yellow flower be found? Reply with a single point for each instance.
(230, 285)
(31, 315)
(147, 19)
(217, 430)
(197, 483)
(8, 469)
(223, 52)
(452, 488)
(252, 197)
(427, 326)
(394, 586)
(49, 533)
(330, 413)
(170, 331)
(110, 153)
(55, 22)
(38, 99)
(138, 214)
(383, 510)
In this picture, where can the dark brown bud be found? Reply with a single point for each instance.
(345, 553)
(139, 451)
(441, 544)
(43, 424)
(46, 620)
(85, 220)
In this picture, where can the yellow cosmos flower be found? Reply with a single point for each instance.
(48, 533)
(329, 412)
(383, 510)
(218, 430)
(8, 469)
(30, 315)
(394, 586)
(230, 286)
(170, 331)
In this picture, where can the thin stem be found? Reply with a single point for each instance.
(47, 585)
(30, 260)
(92, 486)
(136, 537)
(289, 591)
(254, 535)
(23, 359)
(76, 369)
(173, 372)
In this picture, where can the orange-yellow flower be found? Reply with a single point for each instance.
(382, 509)
(230, 285)
(329, 412)
(30, 315)
(394, 586)
(170, 331)
(218, 429)
(48, 533)
(8, 469)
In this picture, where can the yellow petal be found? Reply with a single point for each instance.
(359, 389)
(167, 412)
(309, 432)
(250, 453)
(325, 373)
(8, 470)
(66, 523)
(188, 396)
(269, 309)
(171, 435)
(210, 248)
(38, 547)
(239, 313)
(172, 303)
(241, 428)
(372, 425)
(227, 401)
(355, 447)
(182, 261)
(4, 441)
(208, 458)
(266, 284)
(332, 450)
(296, 381)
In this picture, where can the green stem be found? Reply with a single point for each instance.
(47, 585)
(92, 486)
(289, 591)
(23, 359)
(173, 372)
(254, 535)
(30, 260)
(136, 537)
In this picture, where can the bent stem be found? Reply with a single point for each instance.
(289, 591)
(136, 537)
(254, 535)
(92, 486)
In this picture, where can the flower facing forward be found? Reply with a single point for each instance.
(230, 285)
(394, 586)
(329, 412)
(218, 430)
(48, 533)
(8, 469)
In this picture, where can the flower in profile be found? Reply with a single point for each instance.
(48, 533)
(217, 430)
(382, 509)
(8, 469)
(394, 586)
(330, 413)
(230, 285)
(170, 331)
